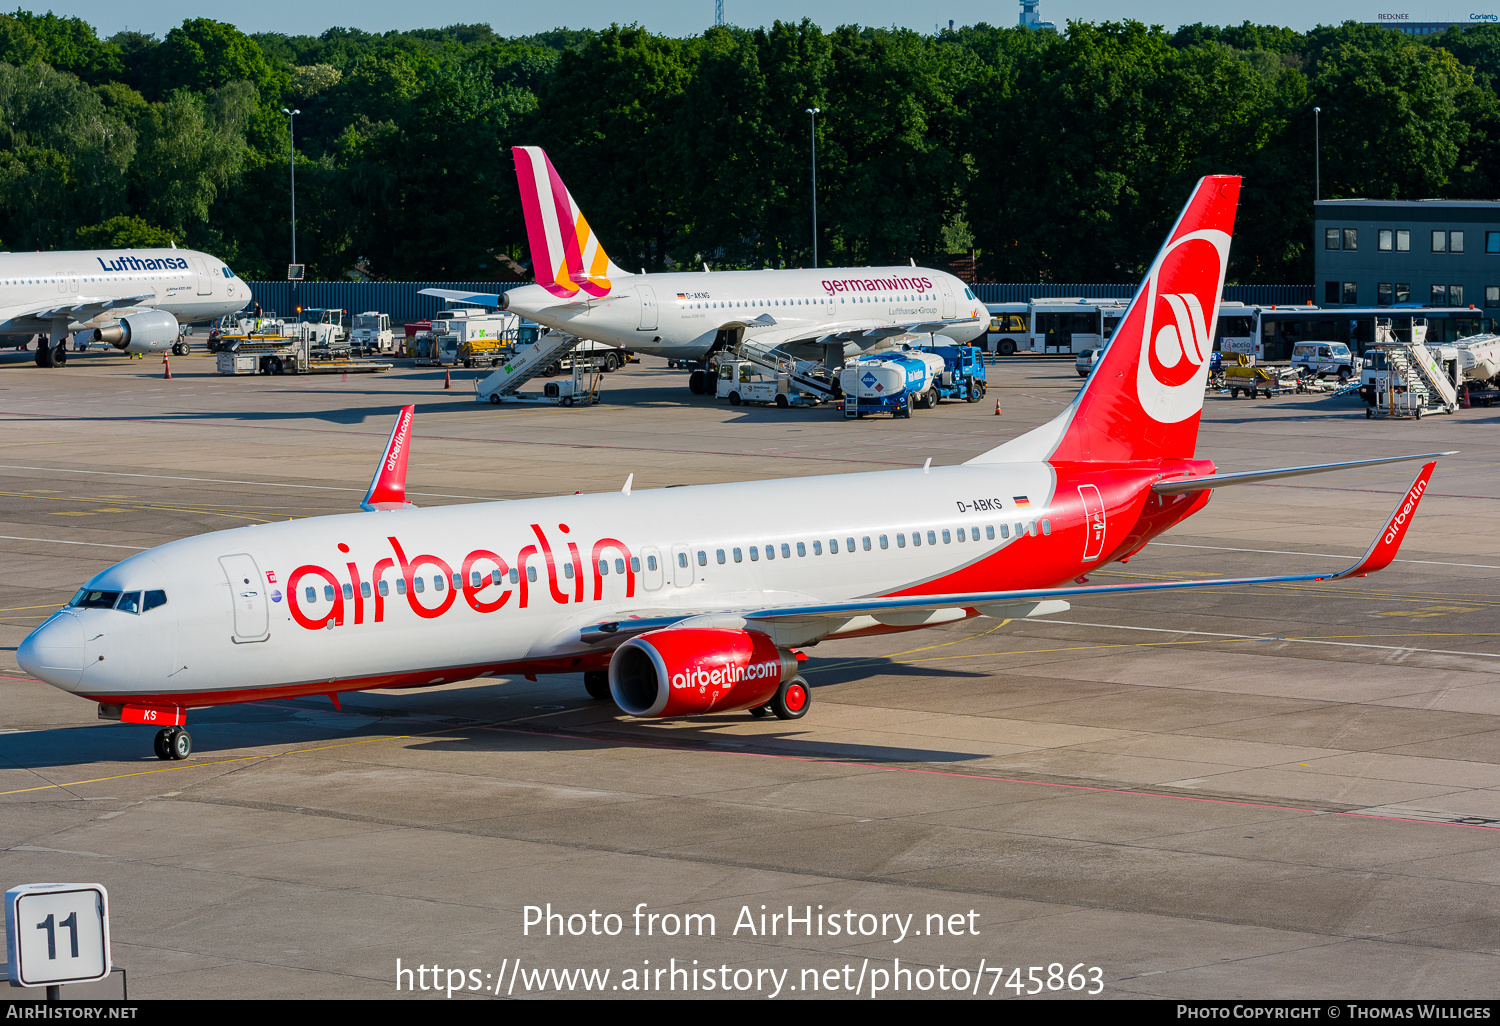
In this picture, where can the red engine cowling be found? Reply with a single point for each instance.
(690, 670)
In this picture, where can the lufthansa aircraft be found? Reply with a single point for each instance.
(133, 299)
(683, 601)
(686, 315)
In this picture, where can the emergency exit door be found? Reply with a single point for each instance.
(247, 590)
(648, 307)
(1093, 521)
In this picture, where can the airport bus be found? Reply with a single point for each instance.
(1052, 326)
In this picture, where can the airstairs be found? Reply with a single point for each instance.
(526, 363)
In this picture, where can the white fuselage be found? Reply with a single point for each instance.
(189, 285)
(679, 315)
(332, 603)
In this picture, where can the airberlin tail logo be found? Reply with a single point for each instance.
(1181, 299)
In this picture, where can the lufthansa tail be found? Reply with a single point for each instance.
(566, 258)
(1143, 400)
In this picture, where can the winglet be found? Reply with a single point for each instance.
(388, 486)
(1388, 542)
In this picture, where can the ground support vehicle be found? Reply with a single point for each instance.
(581, 388)
(467, 335)
(324, 328)
(371, 334)
(1324, 358)
(1411, 380)
(1245, 375)
(610, 358)
(530, 360)
(962, 377)
(272, 354)
(746, 379)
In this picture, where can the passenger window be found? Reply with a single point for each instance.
(755, 553)
(651, 562)
(567, 571)
(154, 599)
(328, 592)
(849, 544)
(531, 574)
(961, 536)
(348, 593)
(817, 548)
(833, 546)
(417, 585)
(739, 557)
(635, 564)
(1046, 527)
(916, 539)
(364, 588)
(474, 579)
(703, 557)
(515, 576)
(884, 542)
(900, 541)
(931, 537)
(619, 566)
(438, 582)
(401, 586)
(989, 531)
(947, 538)
(1031, 528)
(385, 588)
(458, 581)
(682, 559)
(719, 554)
(867, 543)
(801, 550)
(130, 602)
(603, 568)
(495, 574)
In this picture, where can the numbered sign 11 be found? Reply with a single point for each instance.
(57, 934)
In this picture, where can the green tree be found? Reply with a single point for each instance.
(124, 232)
(202, 54)
(191, 147)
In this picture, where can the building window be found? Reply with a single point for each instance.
(1351, 238)
(1330, 238)
(1330, 292)
(1403, 292)
(1492, 295)
(1384, 240)
(1438, 296)
(1351, 293)
(1492, 242)
(1455, 242)
(1403, 240)
(1383, 294)
(1440, 242)
(1455, 295)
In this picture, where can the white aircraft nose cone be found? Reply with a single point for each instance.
(54, 651)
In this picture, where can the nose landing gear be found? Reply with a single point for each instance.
(173, 743)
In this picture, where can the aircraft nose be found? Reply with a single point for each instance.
(54, 651)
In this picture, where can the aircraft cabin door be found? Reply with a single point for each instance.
(647, 296)
(205, 281)
(247, 590)
(949, 306)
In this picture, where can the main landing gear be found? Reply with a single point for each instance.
(173, 743)
(596, 683)
(790, 702)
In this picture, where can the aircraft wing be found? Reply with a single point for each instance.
(77, 309)
(493, 298)
(854, 335)
(910, 610)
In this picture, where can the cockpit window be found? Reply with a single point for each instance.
(87, 599)
(130, 602)
(227, 272)
(154, 599)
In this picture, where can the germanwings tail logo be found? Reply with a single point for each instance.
(1144, 398)
(566, 257)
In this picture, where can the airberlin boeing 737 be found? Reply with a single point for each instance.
(682, 601)
(686, 315)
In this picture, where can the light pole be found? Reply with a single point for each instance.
(291, 159)
(1317, 156)
(813, 113)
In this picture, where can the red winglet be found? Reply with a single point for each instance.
(1388, 542)
(388, 486)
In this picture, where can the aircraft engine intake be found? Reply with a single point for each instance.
(690, 670)
(151, 331)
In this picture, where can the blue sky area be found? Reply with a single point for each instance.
(688, 17)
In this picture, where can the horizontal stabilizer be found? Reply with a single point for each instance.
(1178, 486)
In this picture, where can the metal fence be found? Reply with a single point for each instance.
(401, 300)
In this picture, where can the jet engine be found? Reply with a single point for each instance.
(151, 331)
(685, 671)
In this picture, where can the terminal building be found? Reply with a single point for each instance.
(1429, 253)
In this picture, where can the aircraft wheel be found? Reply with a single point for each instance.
(698, 382)
(42, 352)
(60, 355)
(734, 398)
(161, 744)
(759, 712)
(180, 744)
(596, 683)
(494, 398)
(783, 401)
(792, 700)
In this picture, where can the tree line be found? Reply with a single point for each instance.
(1057, 156)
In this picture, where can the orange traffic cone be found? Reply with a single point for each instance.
(447, 379)
(997, 407)
(1466, 404)
(166, 367)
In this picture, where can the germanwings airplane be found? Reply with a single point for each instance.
(683, 601)
(686, 315)
(132, 299)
